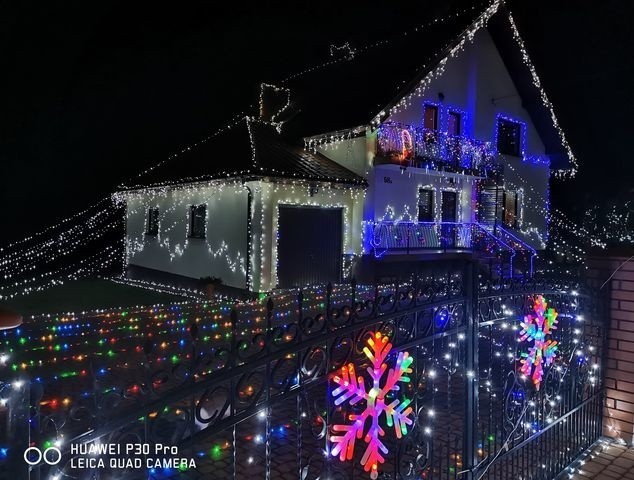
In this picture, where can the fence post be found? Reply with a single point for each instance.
(470, 459)
(409, 231)
(15, 435)
(267, 386)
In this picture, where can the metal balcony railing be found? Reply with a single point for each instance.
(417, 237)
(415, 146)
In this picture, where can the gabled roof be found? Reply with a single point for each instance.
(248, 149)
(511, 48)
(350, 91)
(355, 91)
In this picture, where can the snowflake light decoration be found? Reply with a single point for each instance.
(353, 389)
(536, 328)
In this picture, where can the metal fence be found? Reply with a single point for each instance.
(247, 391)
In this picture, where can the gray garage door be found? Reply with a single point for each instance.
(309, 246)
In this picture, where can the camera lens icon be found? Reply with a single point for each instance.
(51, 456)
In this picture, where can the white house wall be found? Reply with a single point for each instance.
(477, 83)
(531, 180)
(351, 153)
(396, 193)
(272, 195)
(223, 253)
(393, 194)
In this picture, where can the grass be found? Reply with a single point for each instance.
(86, 294)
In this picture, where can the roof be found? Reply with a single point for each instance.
(532, 100)
(375, 79)
(248, 149)
(360, 85)
(349, 91)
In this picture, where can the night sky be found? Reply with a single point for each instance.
(95, 92)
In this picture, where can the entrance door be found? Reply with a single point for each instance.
(448, 214)
(309, 248)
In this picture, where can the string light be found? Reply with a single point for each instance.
(104, 337)
(348, 53)
(16, 263)
(536, 329)
(546, 102)
(435, 150)
(352, 389)
(61, 341)
(264, 87)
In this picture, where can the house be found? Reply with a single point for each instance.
(435, 144)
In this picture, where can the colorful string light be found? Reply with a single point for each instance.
(352, 390)
(536, 328)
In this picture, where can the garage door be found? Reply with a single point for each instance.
(309, 246)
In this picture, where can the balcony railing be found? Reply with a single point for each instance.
(419, 237)
(414, 146)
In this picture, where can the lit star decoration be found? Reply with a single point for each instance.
(353, 389)
(537, 328)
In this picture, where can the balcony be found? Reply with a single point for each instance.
(405, 238)
(415, 146)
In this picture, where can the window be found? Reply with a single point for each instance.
(430, 117)
(449, 201)
(453, 123)
(152, 225)
(425, 205)
(509, 137)
(491, 199)
(510, 209)
(197, 221)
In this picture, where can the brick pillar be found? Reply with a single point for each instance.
(618, 371)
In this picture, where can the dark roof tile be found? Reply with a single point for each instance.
(344, 94)
(249, 149)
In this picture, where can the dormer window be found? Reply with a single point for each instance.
(454, 124)
(152, 225)
(509, 135)
(430, 117)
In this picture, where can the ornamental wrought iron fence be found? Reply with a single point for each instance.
(267, 390)
(509, 258)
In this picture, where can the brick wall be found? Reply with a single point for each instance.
(618, 421)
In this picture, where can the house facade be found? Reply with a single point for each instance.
(458, 161)
(257, 230)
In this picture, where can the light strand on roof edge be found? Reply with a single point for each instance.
(544, 98)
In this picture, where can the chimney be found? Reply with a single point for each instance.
(273, 102)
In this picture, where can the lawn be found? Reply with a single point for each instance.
(87, 294)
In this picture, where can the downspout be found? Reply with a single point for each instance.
(495, 215)
(249, 233)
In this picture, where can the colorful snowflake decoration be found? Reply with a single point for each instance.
(536, 328)
(353, 389)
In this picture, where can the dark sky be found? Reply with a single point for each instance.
(94, 92)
